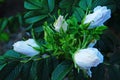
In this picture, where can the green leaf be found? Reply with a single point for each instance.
(109, 3)
(101, 28)
(35, 19)
(14, 73)
(65, 3)
(29, 5)
(61, 71)
(33, 71)
(9, 70)
(25, 73)
(85, 4)
(79, 14)
(39, 29)
(2, 66)
(51, 4)
(3, 24)
(29, 27)
(12, 53)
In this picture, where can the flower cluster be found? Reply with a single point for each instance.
(72, 40)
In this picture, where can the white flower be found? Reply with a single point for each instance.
(87, 58)
(60, 23)
(26, 47)
(98, 17)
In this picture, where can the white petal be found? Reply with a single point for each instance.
(60, 23)
(24, 48)
(31, 42)
(98, 17)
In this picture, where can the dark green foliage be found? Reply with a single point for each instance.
(15, 66)
(10, 70)
(61, 71)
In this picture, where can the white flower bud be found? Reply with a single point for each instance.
(98, 17)
(60, 23)
(26, 47)
(87, 58)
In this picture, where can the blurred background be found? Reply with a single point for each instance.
(10, 9)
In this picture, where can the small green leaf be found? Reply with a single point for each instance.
(51, 4)
(61, 71)
(101, 28)
(35, 19)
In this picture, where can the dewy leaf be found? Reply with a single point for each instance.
(35, 19)
(51, 4)
(61, 71)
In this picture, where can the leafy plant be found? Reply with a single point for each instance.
(15, 66)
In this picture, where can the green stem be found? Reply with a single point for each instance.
(86, 41)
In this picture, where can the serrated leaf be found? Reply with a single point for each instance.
(35, 19)
(51, 4)
(61, 71)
